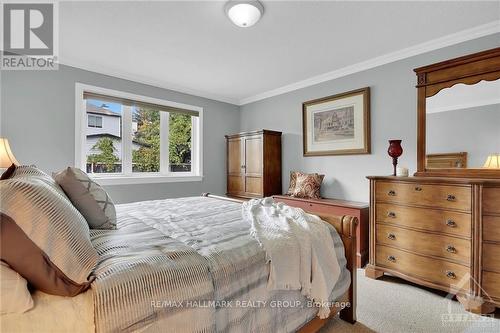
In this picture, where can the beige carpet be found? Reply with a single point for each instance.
(391, 305)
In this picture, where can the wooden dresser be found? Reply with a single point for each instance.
(442, 233)
(337, 207)
(254, 164)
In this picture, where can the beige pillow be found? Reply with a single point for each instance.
(43, 237)
(293, 182)
(91, 200)
(15, 296)
(308, 186)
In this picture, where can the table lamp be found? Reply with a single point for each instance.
(6, 156)
(492, 162)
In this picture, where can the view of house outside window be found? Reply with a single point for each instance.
(104, 146)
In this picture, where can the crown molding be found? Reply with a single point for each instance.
(145, 80)
(435, 44)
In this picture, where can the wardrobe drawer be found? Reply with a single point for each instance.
(491, 284)
(491, 200)
(491, 257)
(448, 222)
(440, 272)
(440, 196)
(491, 228)
(424, 243)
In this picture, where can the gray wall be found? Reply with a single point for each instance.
(37, 115)
(473, 130)
(393, 114)
(38, 118)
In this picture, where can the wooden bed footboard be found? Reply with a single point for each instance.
(346, 227)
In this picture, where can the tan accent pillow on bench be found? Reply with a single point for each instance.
(305, 185)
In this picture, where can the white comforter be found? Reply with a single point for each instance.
(298, 246)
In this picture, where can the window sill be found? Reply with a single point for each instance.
(143, 179)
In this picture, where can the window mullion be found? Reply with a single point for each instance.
(164, 143)
(194, 146)
(127, 140)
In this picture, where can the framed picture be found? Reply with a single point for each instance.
(337, 125)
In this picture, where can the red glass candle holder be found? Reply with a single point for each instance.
(395, 150)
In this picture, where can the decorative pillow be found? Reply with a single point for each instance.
(31, 171)
(88, 197)
(44, 238)
(16, 297)
(293, 181)
(308, 186)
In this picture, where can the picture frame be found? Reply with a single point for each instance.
(337, 124)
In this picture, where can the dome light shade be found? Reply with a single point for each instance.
(244, 13)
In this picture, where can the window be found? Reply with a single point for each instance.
(94, 121)
(134, 139)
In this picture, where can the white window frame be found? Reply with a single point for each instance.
(127, 176)
(95, 117)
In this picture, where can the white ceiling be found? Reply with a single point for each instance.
(192, 47)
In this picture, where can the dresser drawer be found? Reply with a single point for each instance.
(491, 284)
(491, 228)
(437, 271)
(491, 257)
(424, 243)
(491, 200)
(441, 196)
(448, 222)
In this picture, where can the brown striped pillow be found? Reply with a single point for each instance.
(44, 238)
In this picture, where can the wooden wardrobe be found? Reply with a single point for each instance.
(254, 164)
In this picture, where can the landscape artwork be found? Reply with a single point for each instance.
(335, 124)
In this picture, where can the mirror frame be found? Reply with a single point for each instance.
(432, 79)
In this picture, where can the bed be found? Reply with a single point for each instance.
(185, 265)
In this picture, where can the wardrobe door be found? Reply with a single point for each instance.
(253, 165)
(235, 167)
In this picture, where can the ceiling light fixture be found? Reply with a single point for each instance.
(244, 13)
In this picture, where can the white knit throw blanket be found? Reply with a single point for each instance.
(299, 248)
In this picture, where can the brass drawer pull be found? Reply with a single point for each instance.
(391, 236)
(451, 197)
(392, 193)
(451, 249)
(451, 223)
(451, 275)
(391, 214)
(418, 189)
(391, 258)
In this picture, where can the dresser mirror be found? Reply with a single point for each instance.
(463, 126)
(459, 117)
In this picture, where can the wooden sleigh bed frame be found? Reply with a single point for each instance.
(346, 227)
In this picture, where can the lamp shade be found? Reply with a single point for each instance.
(492, 162)
(6, 156)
